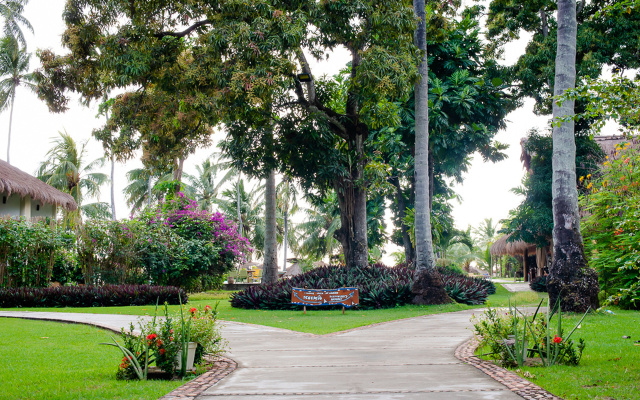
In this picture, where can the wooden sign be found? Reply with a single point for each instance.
(345, 297)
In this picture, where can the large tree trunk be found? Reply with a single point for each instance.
(285, 241)
(570, 281)
(113, 190)
(238, 208)
(270, 265)
(352, 200)
(409, 250)
(177, 174)
(428, 287)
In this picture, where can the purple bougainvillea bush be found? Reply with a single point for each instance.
(174, 243)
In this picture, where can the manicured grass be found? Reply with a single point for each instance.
(609, 366)
(48, 360)
(502, 297)
(318, 321)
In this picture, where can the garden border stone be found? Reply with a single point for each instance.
(220, 367)
(522, 387)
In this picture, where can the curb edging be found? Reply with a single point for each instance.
(220, 368)
(513, 381)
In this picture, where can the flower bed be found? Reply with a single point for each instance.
(379, 287)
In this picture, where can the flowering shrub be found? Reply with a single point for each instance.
(612, 224)
(160, 341)
(204, 331)
(174, 243)
(502, 334)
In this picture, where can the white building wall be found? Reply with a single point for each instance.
(39, 209)
(15, 206)
(10, 205)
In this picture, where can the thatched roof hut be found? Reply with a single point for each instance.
(293, 270)
(14, 180)
(502, 247)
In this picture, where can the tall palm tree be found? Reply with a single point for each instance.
(570, 280)
(11, 12)
(66, 169)
(140, 191)
(319, 229)
(14, 67)
(204, 186)
(427, 288)
(452, 237)
(251, 212)
(487, 233)
(287, 204)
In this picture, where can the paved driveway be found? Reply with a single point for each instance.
(408, 359)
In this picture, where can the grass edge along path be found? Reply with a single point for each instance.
(316, 321)
(54, 360)
(609, 365)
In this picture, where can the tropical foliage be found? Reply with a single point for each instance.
(90, 296)
(14, 72)
(611, 225)
(33, 253)
(67, 169)
(532, 220)
(174, 242)
(379, 287)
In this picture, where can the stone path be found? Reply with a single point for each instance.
(517, 287)
(407, 359)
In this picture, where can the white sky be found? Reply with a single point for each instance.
(485, 191)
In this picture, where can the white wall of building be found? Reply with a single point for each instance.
(10, 205)
(15, 206)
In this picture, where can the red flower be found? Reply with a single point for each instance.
(162, 351)
(159, 343)
(557, 339)
(152, 336)
(207, 308)
(193, 310)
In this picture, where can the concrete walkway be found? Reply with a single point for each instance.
(408, 359)
(517, 287)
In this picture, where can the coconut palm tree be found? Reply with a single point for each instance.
(287, 204)
(14, 67)
(204, 187)
(487, 233)
(67, 169)
(570, 280)
(11, 12)
(251, 212)
(427, 288)
(140, 191)
(319, 229)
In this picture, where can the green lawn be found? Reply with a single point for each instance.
(610, 366)
(48, 360)
(318, 321)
